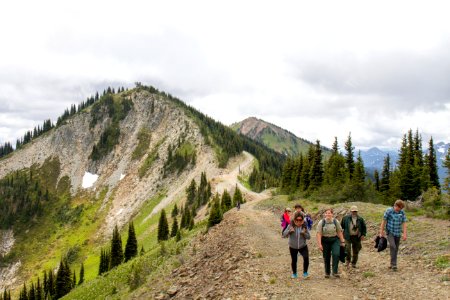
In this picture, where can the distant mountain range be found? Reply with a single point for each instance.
(374, 158)
(285, 142)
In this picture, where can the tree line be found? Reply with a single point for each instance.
(343, 178)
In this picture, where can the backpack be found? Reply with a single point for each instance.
(309, 222)
(334, 221)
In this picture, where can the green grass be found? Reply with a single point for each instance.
(368, 274)
(151, 157)
(144, 137)
(442, 262)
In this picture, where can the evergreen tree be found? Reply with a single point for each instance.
(116, 255)
(163, 227)
(81, 274)
(39, 291)
(63, 282)
(74, 279)
(316, 174)
(142, 252)
(178, 236)
(237, 197)
(174, 211)
(432, 165)
(190, 191)
(385, 174)
(174, 230)
(405, 166)
(349, 156)
(447, 166)
(226, 201)
(23, 293)
(377, 180)
(215, 214)
(131, 247)
(32, 293)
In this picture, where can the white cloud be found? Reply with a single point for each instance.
(318, 69)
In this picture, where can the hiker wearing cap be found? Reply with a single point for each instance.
(329, 234)
(285, 219)
(298, 233)
(355, 230)
(394, 223)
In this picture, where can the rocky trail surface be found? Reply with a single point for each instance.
(244, 257)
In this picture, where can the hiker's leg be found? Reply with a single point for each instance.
(293, 259)
(356, 245)
(397, 244)
(393, 249)
(335, 251)
(348, 248)
(305, 253)
(326, 255)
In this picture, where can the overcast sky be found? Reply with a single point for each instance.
(317, 68)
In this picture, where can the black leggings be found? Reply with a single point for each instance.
(304, 252)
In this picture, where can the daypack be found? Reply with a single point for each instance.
(309, 222)
(334, 221)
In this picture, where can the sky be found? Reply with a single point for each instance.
(320, 69)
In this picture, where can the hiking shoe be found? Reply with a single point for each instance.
(394, 268)
(327, 275)
(305, 275)
(294, 276)
(354, 266)
(336, 275)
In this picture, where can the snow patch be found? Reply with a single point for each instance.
(122, 176)
(89, 180)
(442, 150)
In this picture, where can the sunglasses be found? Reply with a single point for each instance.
(298, 220)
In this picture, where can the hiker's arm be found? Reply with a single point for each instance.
(287, 231)
(306, 233)
(404, 231)
(341, 237)
(383, 225)
(319, 241)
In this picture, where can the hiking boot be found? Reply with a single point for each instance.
(354, 266)
(336, 275)
(327, 275)
(305, 275)
(294, 276)
(394, 268)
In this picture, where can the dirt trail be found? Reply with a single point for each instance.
(244, 257)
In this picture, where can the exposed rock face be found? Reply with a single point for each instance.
(6, 242)
(118, 172)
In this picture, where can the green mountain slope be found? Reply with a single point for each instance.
(272, 136)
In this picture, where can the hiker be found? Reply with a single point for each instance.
(329, 233)
(298, 234)
(238, 205)
(306, 217)
(394, 223)
(354, 228)
(285, 219)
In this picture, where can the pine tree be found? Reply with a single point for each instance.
(163, 227)
(74, 279)
(116, 256)
(405, 166)
(174, 211)
(237, 197)
(377, 180)
(39, 292)
(174, 230)
(349, 156)
(63, 282)
(131, 247)
(385, 174)
(432, 165)
(226, 201)
(142, 252)
(32, 293)
(316, 174)
(215, 214)
(447, 166)
(81, 274)
(191, 193)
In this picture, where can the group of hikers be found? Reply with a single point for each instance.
(333, 235)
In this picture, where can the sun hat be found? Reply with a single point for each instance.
(287, 209)
(354, 208)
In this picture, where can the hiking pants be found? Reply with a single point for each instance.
(305, 253)
(331, 249)
(394, 243)
(352, 248)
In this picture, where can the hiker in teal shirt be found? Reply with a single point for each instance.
(394, 223)
(355, 230)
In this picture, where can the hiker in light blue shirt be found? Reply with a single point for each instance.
(394, 224)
